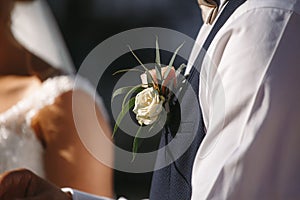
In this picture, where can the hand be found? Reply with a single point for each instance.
(25, 185)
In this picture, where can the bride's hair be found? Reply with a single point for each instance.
(40, 68)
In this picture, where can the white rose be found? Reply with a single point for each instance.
(148, 106)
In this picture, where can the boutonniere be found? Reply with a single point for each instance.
(150, 101)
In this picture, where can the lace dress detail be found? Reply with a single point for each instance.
(19, 146)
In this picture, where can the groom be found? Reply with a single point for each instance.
(250, 112)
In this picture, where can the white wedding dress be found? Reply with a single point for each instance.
(35, 28)
(19, 146)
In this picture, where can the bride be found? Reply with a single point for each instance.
(37, 129)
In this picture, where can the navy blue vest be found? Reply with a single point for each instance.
(185, 132)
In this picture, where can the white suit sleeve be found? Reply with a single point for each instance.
(251, 109)
(78, 195)
(267, 162)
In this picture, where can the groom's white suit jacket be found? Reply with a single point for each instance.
(250, 99)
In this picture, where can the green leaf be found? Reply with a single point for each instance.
(174, 55)
(167, 72)
(179, 70)
(121, 115)
(158, 73)
(127, 70)
(134, 89)
(136, 143)
(157, 59)
(169, 84)
(121, 90)
(149, 77)
(169, 67)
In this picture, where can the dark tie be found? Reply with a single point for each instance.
(173, 182)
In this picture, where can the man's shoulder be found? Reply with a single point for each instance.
(288, 5)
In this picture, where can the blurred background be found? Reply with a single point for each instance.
(86, 23)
